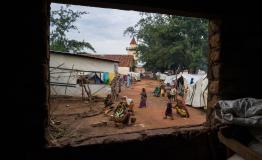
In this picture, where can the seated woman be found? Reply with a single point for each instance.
(121, 113)
(131, 105)
(157, 91)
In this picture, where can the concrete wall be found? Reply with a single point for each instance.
(99, 90)
(123, 70)
(81, 63)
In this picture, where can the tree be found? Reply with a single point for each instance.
(166, 41)
(62, 21)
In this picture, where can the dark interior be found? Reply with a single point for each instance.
(235, 70)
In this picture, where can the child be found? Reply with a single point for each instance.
(173, 93)
(168, 89)
(108, 101)
(143, 98)
(162, 90)
(169, 108)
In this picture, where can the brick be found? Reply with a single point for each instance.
(215, 41)
(213, 87)
(214, 55)
(216, 71)
(213, 101)
(214, 26)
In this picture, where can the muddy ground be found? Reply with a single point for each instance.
(74, 122)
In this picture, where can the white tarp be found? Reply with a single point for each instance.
(197, 93)
(170, 79)
(162, 76)
(135, 75)
(186, 76)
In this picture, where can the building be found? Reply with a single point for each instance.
(131, 50)
(140, 69)
(126, 62)
(66, 68)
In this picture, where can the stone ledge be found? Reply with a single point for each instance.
(192, 130)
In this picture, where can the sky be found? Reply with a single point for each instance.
(103, 28)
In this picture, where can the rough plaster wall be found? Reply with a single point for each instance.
(123, 70)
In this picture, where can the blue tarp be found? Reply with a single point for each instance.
(106, 78)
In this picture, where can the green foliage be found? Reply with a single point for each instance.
(62, 21)
(167, 41)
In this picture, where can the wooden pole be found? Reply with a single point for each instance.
(69, 78)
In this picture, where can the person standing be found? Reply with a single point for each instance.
(128, 80)
(169, 112)
(143, 98)
(168, 89)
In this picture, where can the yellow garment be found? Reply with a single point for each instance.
(162, 93)
(181, 112)
(111, 76)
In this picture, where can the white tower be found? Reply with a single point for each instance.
(131, 50)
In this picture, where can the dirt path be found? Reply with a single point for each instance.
(152, 115)
(79, 129)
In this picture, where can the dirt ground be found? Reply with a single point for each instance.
(77, 124)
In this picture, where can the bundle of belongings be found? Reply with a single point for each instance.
(244, 117)
(181, 108)
(123, 113)
(244, 112)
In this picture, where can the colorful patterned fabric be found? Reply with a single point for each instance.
(120, 112)
(181, 109)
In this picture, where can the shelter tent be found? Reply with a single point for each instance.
(197, 93)
(135, 76)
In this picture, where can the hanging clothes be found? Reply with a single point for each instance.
(106, 78)
(111, 76)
